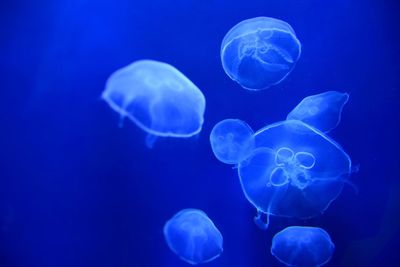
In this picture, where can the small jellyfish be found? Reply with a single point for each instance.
(157, 98)
(322, 111)
(302, 246)
(294, 171)
(260, 52)
(231, 140)
(192, 236)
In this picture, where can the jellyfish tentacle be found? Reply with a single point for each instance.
(262, 220)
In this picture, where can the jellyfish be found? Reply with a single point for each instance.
(322, 111)
(294, 171)
(232, 140)
(157, 98)
(192, 236)
(302, 246)
(260, 52)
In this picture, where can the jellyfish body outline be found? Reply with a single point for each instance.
(260, 52)
(310, 189)
(193, 236)
(231, 140)
(302, 246)
(139, 92)
(322, 111)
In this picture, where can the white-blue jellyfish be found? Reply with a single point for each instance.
(289, 168)
(192, 236)
(158, 98)
(232, 141)
(300, 246)
(322, 111)
(295, 170)
(260, 52)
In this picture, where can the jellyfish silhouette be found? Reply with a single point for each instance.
(301, 246)
(193, 236)
(260, 52)
(232, 140)
(157, 98)
(322, 111)
(294, 171)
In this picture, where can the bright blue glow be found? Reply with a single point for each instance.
(322, 111)
(193, 236)
(260, 52)
(295, 170)
(302, 246)
(158, 98)
(232, 140)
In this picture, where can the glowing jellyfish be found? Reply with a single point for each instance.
(302, 246)
(193, 236)
(157, 98)
(232, 140)
(322, 111)
(260, 52)
(295, 171)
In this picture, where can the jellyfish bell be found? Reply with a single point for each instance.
(294, 171)
(322, 111)
(302, 246)
(192, 236)
(231, 140)
(260, 52)
(158, 98)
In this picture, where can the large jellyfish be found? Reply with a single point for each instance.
(193, 236)
(301, 246)
(158, 98)
(322, 111)
(232, 140)
(295, 170)
(260, 52)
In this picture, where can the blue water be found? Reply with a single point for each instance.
(77, 190)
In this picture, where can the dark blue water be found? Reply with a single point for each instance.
(77, 190)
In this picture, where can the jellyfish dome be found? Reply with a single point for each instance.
(232, 141)
(322, 111)
(294, 171)
(157, 98)
(302, 246)
(193, 236)
(260, 52)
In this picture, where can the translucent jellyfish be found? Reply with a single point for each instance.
(260, 52)
(302, 246)
(322, 111)
(295, 171)
(232, 140)
(192, 236)
(157, 98)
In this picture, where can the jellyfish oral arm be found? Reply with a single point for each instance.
(262, 220)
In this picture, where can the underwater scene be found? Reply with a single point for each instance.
(154, 133)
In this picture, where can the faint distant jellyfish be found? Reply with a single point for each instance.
(302, 246)
(232, 140)
(322, 111)
(260, 52)
(157, 98)
(294, 171)
(193, 236)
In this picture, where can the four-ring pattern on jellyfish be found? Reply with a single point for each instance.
(291, 167)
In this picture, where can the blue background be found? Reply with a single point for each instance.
(77, 190)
